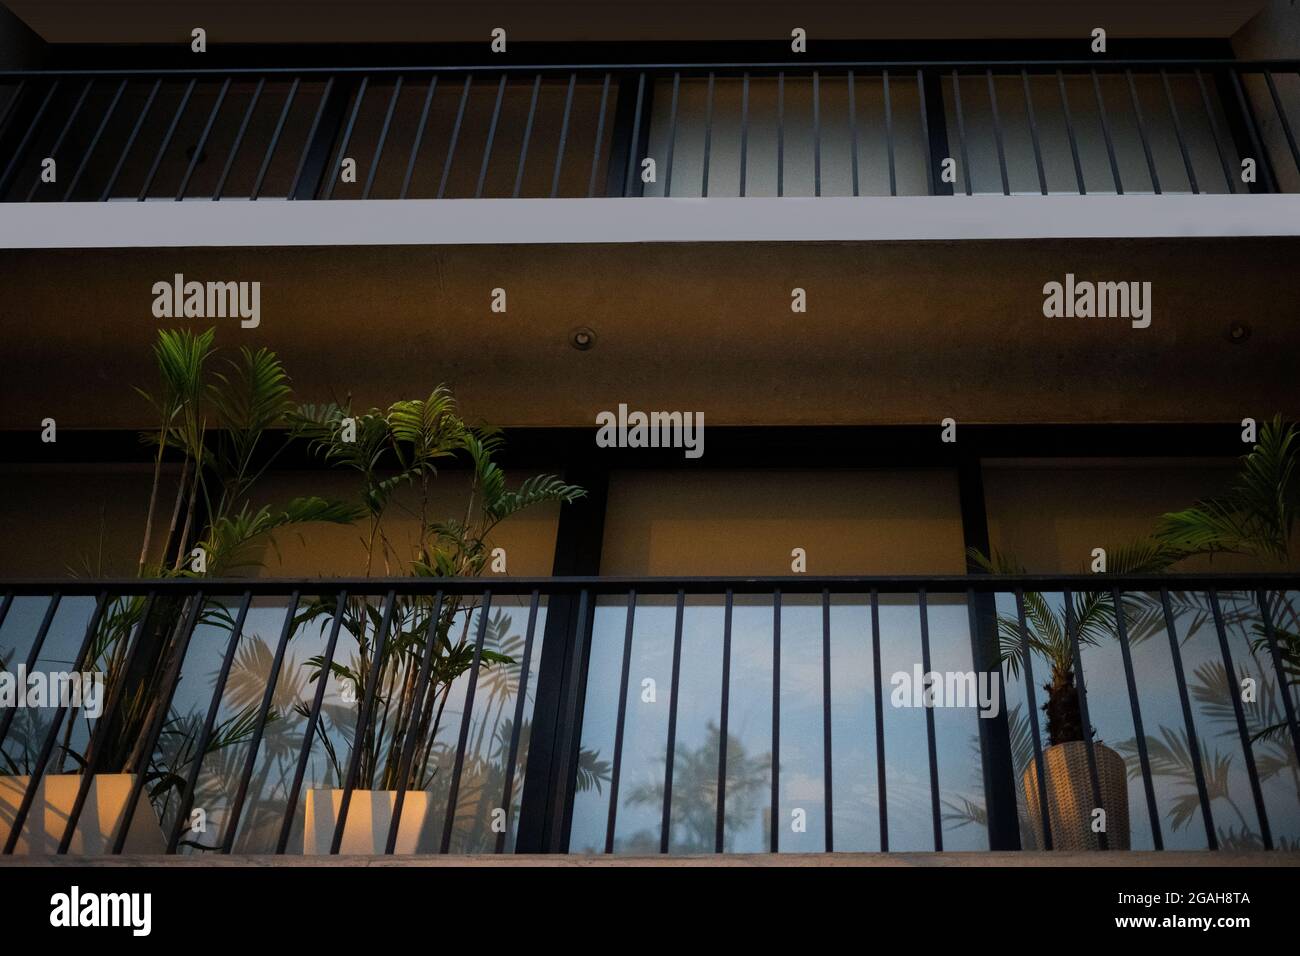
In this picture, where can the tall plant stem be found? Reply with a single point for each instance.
(153, 501)
(189, 511)
(176, 508)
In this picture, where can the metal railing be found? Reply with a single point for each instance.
(147, 634)
(838, 128)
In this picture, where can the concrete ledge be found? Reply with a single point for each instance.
(1125, 860)
(234, 222)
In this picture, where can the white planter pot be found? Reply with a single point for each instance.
(1070, 800)
(369, 814)
(103, 811)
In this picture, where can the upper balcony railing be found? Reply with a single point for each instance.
(425, 715)
(683, 130)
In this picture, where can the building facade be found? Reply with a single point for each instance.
(926, 331)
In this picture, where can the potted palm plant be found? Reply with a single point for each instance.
(1255, 517)
(215, 420)
(1067, 784)
(391, 450)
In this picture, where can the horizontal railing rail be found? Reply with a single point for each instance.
(615, 584)
(737, 67)
(282, 750)
(841, 128)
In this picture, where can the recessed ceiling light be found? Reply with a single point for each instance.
(582, 338)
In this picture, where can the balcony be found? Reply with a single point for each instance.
(587, 715)
(849, 133)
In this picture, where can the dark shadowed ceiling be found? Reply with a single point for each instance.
(290, 21)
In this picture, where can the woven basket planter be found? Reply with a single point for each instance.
(1070, 800)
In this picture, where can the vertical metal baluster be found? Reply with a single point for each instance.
(936, 824)
(491, 138)
(828, 779)
(1178, 132)
(63, 133)
(81, 663)
(203, 139)
(311, 136)
(275, 140)
(171, 680)
(1069, 130)
(1033, 133)
(744, 130)
(562, 813)
(7, 714)
(455, 135)
(880, 722)
(259, 727)
(632, 160)
(997, 134)
(774, 810)
(1142, 132)
(332, 171)
(708, 137)
(780, 151)
(313, 718)
(1081, 687)
(94, 141)
(106, 720)
(422, 687)
(11, 107)
(1282, 685)
(528, 134)
(889, 133)
(1031, 700)
(33, 654)
(961, 131)
(925, 133)
(378, 647)
(564, 135)
(1234, 694)
(1139, 734)
(1214, 132)
(721, 824)
(166, 141)
(1281, 115)
(463, 743)
(383, 138)
(853, 132)
(1105, 132)
(600, 138)
(521, 696)
(419, 136)
(817, 134)
(616, 773)
(209, 722)
(665, 827)
(27, 137)
(1263, 160)
(672, 136)
(1193, 745)
(239, 138)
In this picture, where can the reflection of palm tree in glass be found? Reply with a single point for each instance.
(482, 786)
(483, 772)
(227, 751)
(961, 810)
(695, 795)
(1171, 756)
